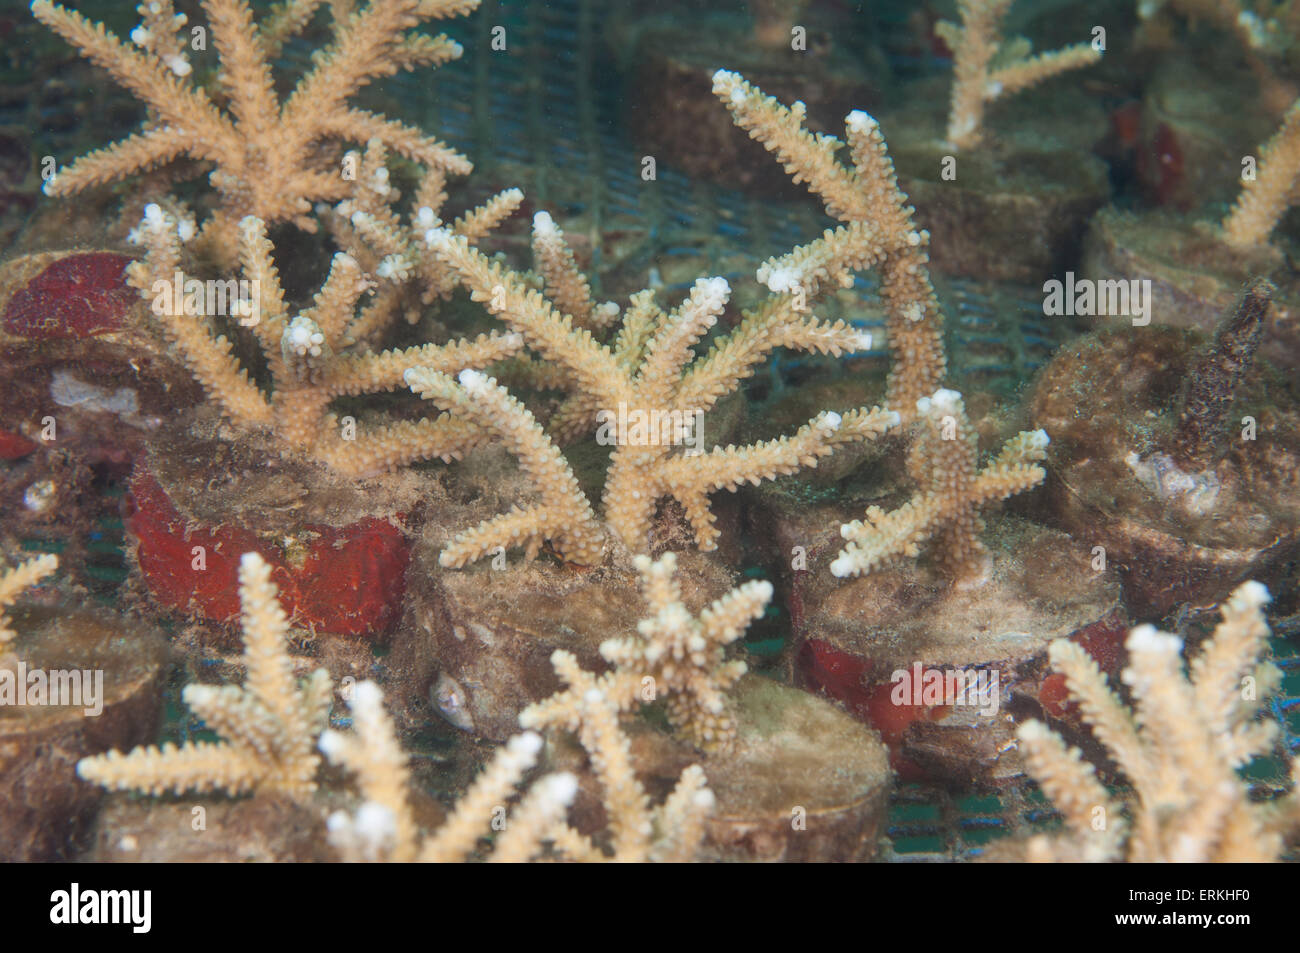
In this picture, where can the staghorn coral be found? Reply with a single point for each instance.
(944, 461)
(312, 356)
(1270, 192)
(564, 517)
(368, 227)
(271, 159)
(878, 233)
(270, 724)
(676, 654)
(13, 582)
(1179, 748)
(383, 828)
(984, 71)
(646, 380)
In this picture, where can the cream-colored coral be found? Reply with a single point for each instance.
(650, 396)
(13, 582)
(383, 827)
(944, 459)
(675, 656)
(313, 356)
(985, 70)
(273, 159)
(270, 724)
(566, 286)
(878, 231)
(368, 227)
(1270, 191)
(563, 517)
(1179, 748)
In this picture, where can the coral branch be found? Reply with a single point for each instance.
(984, 71)
(944, 459)
(270, 724)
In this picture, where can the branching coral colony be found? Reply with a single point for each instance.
(648, 373)
(272, 160)
(383, 827)
(984, 70)
(272, 166)
(270, 724)
(1180, 750)
(675, 654)
(313, 356)
(943, 460)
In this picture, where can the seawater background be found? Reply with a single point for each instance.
(549, 115)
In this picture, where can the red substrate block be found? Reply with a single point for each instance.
(1104, 641)
(349, 580)
(14, 446)
(842, 676)
(77, 296)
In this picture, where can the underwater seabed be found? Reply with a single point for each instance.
(768, 431)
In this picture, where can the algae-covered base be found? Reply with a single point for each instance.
(1003, 211)
(1195, 278)
(203, 495)
(261, 829)
(804, 782)
(877, 642)
(1111, 404)
(44, 807)
(476, 643)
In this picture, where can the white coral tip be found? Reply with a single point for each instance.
(945, 401)
(376, 823)
(780, 280)
(366, 695)
(1147, 638)
(437, 237)
(1253, 593)
(832, 421)
(331, 743)
(544, 225)
(559, 788)
(473, 381)
(860, 121)
(841, 567)
(713, 292)
(527, 744)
